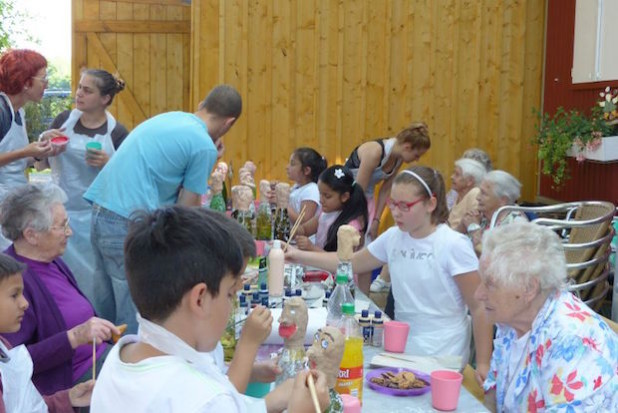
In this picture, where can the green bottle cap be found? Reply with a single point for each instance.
(342, 279)
(347, 308)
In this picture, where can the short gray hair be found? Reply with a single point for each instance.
(479, 155)
(505, 248)
(504, 185)
(472, 169)
(29, 206)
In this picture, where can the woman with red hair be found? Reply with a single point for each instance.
(23, 79)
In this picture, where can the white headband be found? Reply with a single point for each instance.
(407, 171)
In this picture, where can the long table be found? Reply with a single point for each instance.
(374, 401)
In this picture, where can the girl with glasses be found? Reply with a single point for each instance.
(434, 271)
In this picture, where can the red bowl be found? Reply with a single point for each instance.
(59, 140)
(315, 276)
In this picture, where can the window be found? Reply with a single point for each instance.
(595, 52)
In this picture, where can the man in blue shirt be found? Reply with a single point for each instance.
(165, 160)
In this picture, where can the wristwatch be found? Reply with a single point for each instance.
(473, 227)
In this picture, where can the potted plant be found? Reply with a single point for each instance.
(583, 136)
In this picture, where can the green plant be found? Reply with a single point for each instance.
(564, 131)
(40, 115)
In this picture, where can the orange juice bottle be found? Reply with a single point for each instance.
(350, 379)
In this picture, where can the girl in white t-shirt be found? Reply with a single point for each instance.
(342, 202)
(433, 271)
(306, 164)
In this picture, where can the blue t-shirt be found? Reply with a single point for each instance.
(159, 157)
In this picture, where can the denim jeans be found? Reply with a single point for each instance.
(112, 299)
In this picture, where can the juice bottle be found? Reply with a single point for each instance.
(350, 379)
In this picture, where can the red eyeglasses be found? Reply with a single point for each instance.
(401, 205)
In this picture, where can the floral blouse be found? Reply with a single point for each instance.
(570, 362)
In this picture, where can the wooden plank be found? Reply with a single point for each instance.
(259, 86)
(141, 67)
(107, 11)
(305, 76)
(533, 77)
(283, 131)
(174, 63)
(158, 75)
(78, 43)
(183, 3)
(96, 46)
(327, 22)
(133, 26)
(124, 61)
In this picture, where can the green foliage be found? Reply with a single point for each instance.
(560, 132)
(13, 24)
(40, 115)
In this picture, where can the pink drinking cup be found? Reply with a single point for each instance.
(350, 404)
(395, 336)
(445, 387)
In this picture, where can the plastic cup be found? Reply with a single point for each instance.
(445, 387)
(258, 390)
(350, 404)
(395, 336)
(59, 141)
(94, 146)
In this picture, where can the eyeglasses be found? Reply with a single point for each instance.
(44, 79)
(401, 205)
(65, 227)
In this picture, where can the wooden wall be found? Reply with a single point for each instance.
(147, 42)
(331, 74)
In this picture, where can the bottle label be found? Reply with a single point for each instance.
(367, 334)
(350, 381)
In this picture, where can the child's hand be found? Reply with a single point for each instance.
(303, 242)
(81, 393)
(258, 326)
(301, 396)
(265, 371)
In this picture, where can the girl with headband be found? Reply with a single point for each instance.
(434, 271)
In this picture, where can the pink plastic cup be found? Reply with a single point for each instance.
(445, 387)
(350, 404)
(395, 336)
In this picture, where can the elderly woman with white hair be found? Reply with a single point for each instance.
(551, 352)
(498, 188)
(60, 325)
(466, 178)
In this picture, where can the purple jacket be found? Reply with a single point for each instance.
(44, 332)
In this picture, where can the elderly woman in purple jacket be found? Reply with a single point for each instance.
(60, 325)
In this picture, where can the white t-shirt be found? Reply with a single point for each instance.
(160, 385)
(307, 192)
(426, 294)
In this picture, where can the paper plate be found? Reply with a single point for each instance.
(398, 392)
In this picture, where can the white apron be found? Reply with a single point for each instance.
(18, 392)
(13, 174)
(71, 172)
(444, 327)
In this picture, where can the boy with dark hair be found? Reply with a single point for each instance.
(183, 268)
(17, 393)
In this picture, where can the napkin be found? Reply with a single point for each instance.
(425, 364)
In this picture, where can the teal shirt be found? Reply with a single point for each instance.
(159, 157)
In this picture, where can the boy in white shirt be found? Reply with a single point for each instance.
(183, 269)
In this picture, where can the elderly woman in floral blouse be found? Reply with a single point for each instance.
(551, 352)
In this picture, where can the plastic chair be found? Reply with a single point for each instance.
(587, 232)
